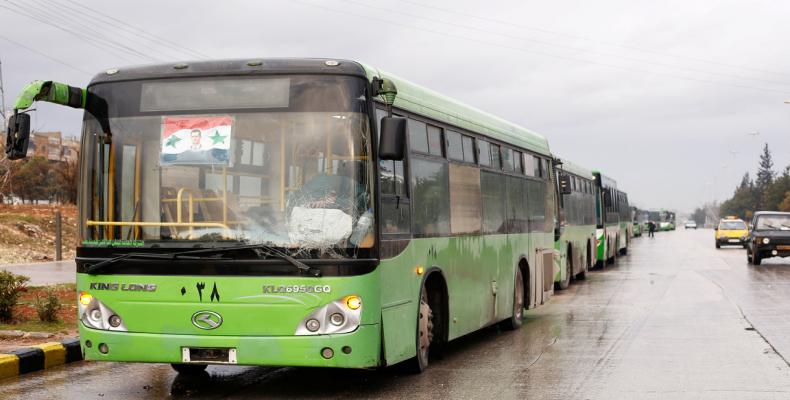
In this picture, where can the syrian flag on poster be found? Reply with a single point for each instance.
(196, 140)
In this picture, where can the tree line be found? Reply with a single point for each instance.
(769, 191)
(35, 179)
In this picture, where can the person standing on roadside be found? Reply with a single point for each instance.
(651, 229)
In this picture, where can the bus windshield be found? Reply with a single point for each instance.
(281, 161)
(776, 221)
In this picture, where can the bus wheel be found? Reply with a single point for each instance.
(587, 265)
(189, 369)
(514, 322)
(424, 334)
(565, 282)
(624, 251)
(610, 254)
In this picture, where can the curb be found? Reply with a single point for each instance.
(38, 357)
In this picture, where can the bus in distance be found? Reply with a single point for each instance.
(577, 223)
(613, 222)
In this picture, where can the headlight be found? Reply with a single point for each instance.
(766, 240)
(339, 316)
(94, 314)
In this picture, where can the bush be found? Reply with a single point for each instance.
(11, 287)
(48, 306)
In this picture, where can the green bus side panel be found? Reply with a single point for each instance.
(479, 272)
(577, 236)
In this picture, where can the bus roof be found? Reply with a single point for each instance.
(605, 180)
(429, 103)
(575, 169)
(411, 97)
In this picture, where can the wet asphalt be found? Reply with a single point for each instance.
(674, 319)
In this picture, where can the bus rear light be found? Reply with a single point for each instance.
(335, 317)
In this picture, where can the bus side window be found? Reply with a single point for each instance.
(431, 203)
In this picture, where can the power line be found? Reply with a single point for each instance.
(586, 38)
(154, 38)
(47, 56)
(574, 48)
(97, 25)
(89, 40)
(81, 30)
(521, 49)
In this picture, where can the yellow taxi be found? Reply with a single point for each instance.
(731, 231)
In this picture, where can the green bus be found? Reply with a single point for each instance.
(297, 212)
(613, 221)
(639, 218)
(576, 245)
(666, 220)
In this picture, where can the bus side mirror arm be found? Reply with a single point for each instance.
(18, 134)
(392, 138)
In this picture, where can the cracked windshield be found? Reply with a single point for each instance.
(279, 161)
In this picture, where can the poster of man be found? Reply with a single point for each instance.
(196, 140)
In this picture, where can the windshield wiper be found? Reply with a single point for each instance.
(269, 251)
(154, 256)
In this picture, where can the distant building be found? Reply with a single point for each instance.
(53, 147)
(71, 149)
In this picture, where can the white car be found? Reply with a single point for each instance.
(691, 225)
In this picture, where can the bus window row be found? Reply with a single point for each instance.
(463, 185)
(578, 207)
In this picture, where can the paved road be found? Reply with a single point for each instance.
(676, 319)
(45, 273)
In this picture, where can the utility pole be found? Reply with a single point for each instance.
(2, 99)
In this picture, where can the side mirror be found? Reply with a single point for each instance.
(565, 184)
(18, 136)
(392, 140)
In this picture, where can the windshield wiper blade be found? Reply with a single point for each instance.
(270, 251)
(154, 256)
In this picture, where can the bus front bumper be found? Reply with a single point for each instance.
(296, 351)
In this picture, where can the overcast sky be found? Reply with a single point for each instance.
(656, 94)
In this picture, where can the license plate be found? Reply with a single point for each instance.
(208, 355)
(734, 241)
(783, 247)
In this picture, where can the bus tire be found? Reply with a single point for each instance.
(582, 275)
(610, 254)
(424, 334)
(565, 282)
(189, 369)
(517, 319)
